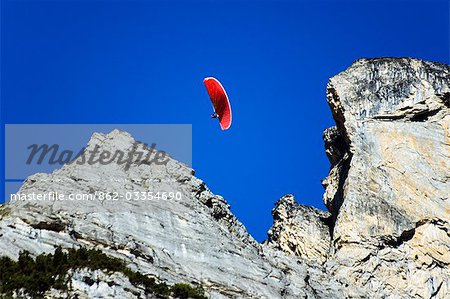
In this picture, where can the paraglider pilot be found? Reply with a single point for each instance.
(214, 115)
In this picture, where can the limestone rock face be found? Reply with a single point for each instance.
(389, 192)
(388, 187)
(195, 240)
(300, 230)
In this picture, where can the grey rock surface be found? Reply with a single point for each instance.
(389, 192)
(388, 187)
(300, 230)
(195, 239)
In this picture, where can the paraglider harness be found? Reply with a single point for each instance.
(214, 115)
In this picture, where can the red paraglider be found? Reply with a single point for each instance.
(219, 99)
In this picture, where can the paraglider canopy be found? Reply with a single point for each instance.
(219, 99)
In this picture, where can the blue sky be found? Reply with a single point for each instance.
(144, 61)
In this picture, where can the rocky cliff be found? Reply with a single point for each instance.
(389, 186)
(386, 235)
(388, 189)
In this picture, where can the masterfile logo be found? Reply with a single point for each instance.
(42, 148)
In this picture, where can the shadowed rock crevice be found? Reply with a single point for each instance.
(52, 226)
(338, 152)
(424, 115)
(404, 237)
(335, 145)
(339, 118)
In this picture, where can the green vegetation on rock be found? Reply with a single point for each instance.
(46, 271)
(4, 211)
